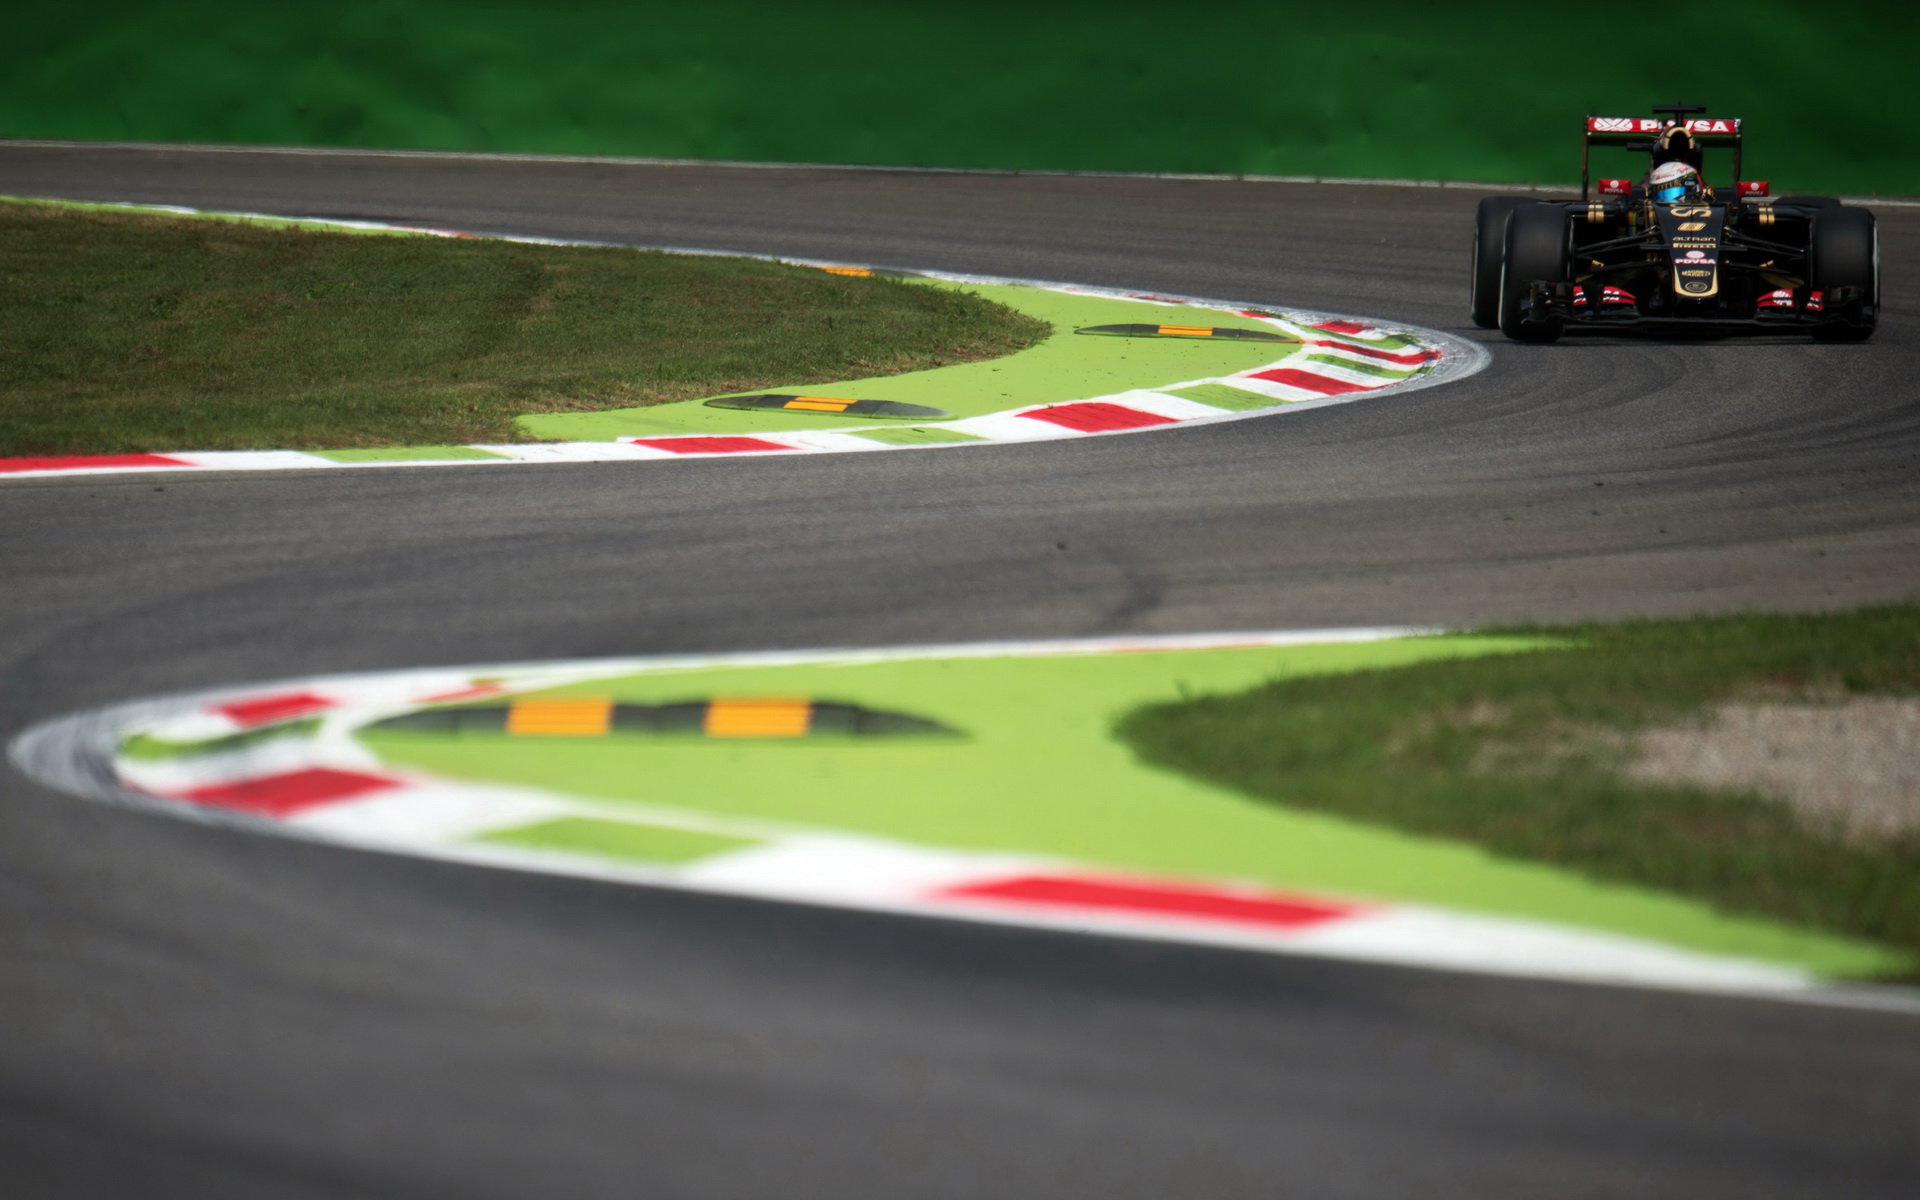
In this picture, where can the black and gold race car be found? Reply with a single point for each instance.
(1669, 254)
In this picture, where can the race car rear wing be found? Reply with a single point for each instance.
(1642, 133)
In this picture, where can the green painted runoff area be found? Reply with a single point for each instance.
(618, 839)
(1040, 772)
(1221, 395)
(918, 435)
(1065, 366)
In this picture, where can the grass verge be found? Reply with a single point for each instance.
(1526, 754)
(131, 332)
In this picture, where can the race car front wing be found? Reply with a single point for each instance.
(1551, 300)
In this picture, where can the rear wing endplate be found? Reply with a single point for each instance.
(1639, 133)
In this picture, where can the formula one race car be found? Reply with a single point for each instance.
(1669, 254)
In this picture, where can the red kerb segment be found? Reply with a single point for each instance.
(1095, 416)
(294, 792)
(265, 710)
(1404, 358)
(1154, 898)
(83, 462)
(1307, 381)
(711, 445)
(1341, 327)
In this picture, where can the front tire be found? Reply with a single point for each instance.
(1535, 249)
(1844, 251)
(1489, 238)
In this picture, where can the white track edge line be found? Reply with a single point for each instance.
(877, 168)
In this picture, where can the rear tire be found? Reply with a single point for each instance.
(1536, 248)
(1844, 250)
(1489, 236)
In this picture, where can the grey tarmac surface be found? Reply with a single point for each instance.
(196, 1012)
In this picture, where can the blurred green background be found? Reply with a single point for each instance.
(1491, 91)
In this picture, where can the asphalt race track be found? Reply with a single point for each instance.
(197, 1013)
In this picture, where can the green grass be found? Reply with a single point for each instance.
(1522, 753)
(132, 332)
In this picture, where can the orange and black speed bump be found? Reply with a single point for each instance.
(831, 406)
(750, 717)
(870, 272)
(1217, 333)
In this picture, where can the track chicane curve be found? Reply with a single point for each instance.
(288, 758)
(1332, 359)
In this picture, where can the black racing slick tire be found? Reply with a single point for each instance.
(1808, 201)
(1489, 236)
(1844, 252)
(1535, 249)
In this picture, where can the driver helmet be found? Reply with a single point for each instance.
(1672, 182)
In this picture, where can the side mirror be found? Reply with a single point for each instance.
(1755, 187)
(1619, 187)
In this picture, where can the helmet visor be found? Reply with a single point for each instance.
(1667, 195)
